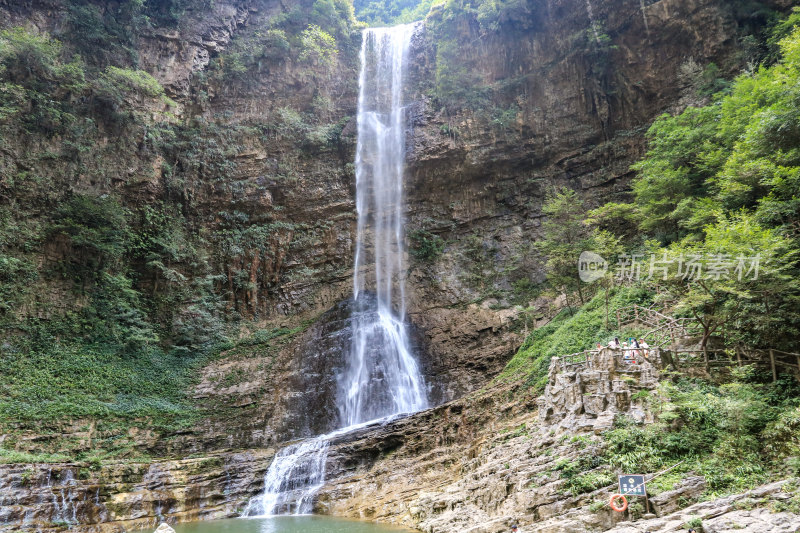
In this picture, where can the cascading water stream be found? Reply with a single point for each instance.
(381, 377)
(293, 478)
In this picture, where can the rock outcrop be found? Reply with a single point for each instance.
(588, 390)
(127, 496)
(480, 463)
(560, 111)
(484, 462)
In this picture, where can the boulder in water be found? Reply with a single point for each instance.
(164, 528)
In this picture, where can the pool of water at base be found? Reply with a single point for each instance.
(284, 524)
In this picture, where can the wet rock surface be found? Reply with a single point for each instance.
(480, 463)
(292, 393)
(474, 464)
(486, 461)
(127, 496)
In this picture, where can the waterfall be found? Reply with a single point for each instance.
(294, 476)
(65, 509)
(381, 377)
(644, 16)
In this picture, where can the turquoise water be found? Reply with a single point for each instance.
(285, 524)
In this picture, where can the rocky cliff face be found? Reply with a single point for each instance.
(565, 97)
(475, 464)
(562, 99)
(126, 497)
(487, 461)
(435, 470)
(247, 182)
(251, 166)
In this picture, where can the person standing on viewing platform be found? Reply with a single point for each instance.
(635, 345)
(644, 348)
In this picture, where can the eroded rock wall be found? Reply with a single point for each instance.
(127, 496)
(487, 461)
(561, 111)
(490, 459)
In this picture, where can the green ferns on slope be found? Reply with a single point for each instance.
(737, 436)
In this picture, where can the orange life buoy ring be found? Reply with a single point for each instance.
(614, 499)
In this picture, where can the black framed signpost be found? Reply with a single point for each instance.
(634, 485)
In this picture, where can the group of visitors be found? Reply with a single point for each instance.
(632, 348)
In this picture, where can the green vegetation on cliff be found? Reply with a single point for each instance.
(718, 181)
(118, 278)
(734, 434)
(458, 83)
(572, 332)
(737, 436)
(722, 181)
(391, 12)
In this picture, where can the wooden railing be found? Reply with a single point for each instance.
(622, 355)
(662, 350)
(776, 358)
(577, 359)
(663, 330)
(691, 358)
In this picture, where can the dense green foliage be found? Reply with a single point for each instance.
(106, 358)
(718, 182)
(425, 246)
(391, 12)
(36, 86)
(733, 434)
(50, 380)
(114, 321)
(738, 435)
(50, 383)
(722, 181)
(311, 37)
(491, 14)
(565, 237)
(570, 333)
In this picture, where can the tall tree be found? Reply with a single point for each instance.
(565, 237)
